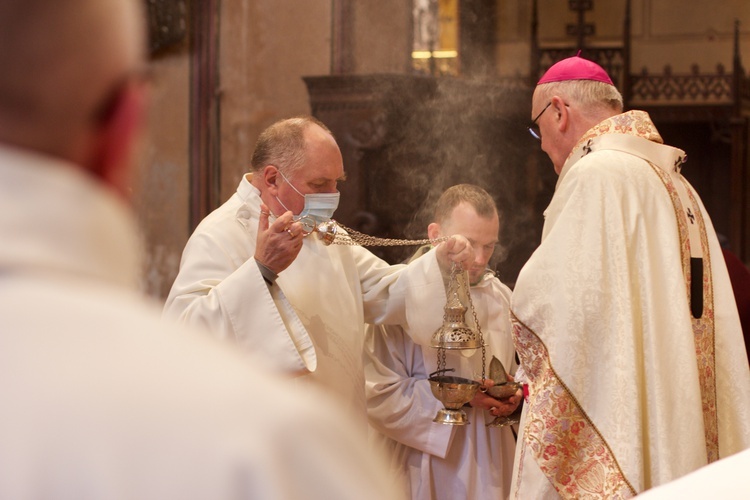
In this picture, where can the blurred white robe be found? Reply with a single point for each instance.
(727, 479)
(619, 401)
(102, 400)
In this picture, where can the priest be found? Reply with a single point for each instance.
(624, 318)
(255, 272)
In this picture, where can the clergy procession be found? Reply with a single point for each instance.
(289, 361)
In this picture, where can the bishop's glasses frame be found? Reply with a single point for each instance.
(534, 128)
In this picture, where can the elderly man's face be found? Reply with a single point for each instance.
(323, 169)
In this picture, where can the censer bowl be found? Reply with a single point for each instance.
(454, 393)
(503, 391)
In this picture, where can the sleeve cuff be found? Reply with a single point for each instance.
(268, 275)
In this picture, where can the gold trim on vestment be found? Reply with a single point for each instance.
(703, 327)
(566, 445)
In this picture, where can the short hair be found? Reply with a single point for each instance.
(478, 198)
(586, 93)
(283, 144)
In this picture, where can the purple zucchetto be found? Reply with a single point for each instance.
(575, 68)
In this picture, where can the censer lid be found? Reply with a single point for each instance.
(455, 333)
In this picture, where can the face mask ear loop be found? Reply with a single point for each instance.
(281, 203)
(292, 185)
(287, 181)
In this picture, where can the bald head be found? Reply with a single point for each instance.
(284, 144)
(61, 60)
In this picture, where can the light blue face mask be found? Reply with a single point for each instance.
(318, 209)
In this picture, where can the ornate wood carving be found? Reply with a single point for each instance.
(693, 88)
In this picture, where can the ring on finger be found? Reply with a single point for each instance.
(291, 234)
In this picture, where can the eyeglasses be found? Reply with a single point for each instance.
(534, 128)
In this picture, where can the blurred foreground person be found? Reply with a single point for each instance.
(441, 461)
(727, 479)
(99, 399)
(256, 275)
(625, 321)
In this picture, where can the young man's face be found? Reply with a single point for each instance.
(480, 231)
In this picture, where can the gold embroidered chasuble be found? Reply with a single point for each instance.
(626, 327)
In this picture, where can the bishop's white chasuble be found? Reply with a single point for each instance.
(626, 326)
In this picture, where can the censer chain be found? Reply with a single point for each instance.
(354, 237)
(479, 331)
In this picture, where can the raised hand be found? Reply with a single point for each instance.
(279, 243)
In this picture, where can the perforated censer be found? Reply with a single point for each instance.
(454, 392)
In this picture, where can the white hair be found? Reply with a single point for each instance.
(586, 94)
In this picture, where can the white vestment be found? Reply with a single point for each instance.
(102, 400)
(726, 479)
(311, 321)
(634, 379)
(440, 461)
